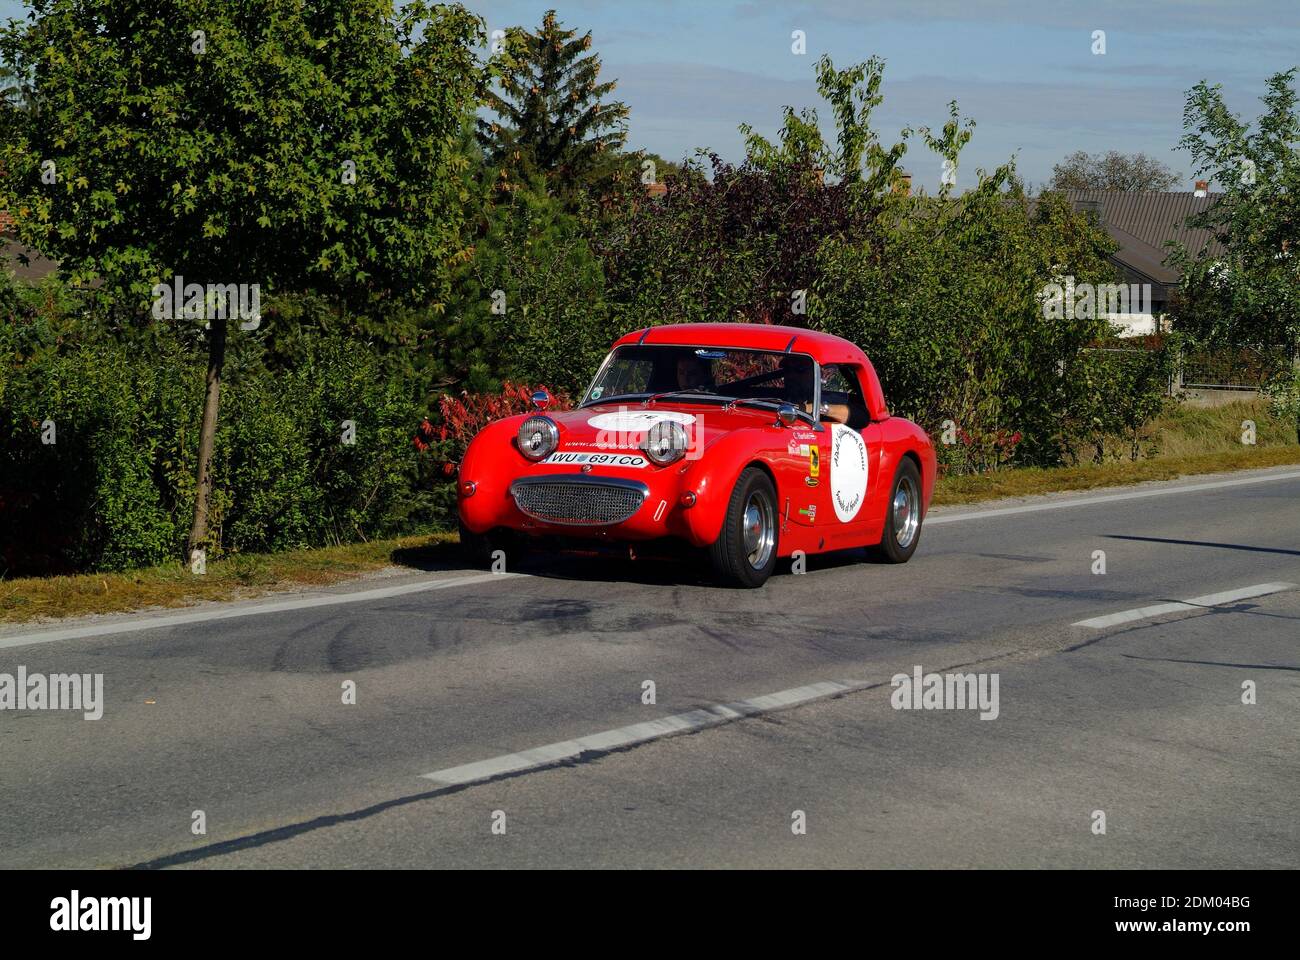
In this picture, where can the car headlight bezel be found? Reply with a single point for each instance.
(539, 427)
(665, 443)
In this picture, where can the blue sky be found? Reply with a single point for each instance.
(1024, 70)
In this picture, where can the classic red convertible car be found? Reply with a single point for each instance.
(752, 441)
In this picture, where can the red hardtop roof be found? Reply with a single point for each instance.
(822, 347)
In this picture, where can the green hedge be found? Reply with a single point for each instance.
(115, 490)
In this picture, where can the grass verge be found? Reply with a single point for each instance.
(237, 577)
(1029, 481)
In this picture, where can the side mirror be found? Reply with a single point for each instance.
(541, 399)
(787, 414)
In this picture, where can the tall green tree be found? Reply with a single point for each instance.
(280, 144)
(553, 115)
(1249, 293)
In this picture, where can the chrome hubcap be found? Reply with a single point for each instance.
(759, 530)
(907, 512)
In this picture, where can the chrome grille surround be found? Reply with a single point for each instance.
(575, 499)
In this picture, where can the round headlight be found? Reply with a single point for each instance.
(665, 442)
(538, 437)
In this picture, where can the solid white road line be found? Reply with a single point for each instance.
(252, 610)
(638, 733)
(930, 520)
(1196, 603)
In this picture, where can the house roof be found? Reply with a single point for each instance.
(1143, 222)
(12, 252)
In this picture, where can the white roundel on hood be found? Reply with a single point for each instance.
(848, 471)
(637, 421)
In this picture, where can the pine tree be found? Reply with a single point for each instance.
(550, 118)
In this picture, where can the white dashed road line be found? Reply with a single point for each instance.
(638, 733)
(1196, 603)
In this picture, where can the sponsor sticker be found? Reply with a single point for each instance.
(848, 471)
(637, 421)
(580, 458)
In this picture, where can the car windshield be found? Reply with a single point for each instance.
(704, 374)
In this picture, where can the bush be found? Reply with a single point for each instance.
(1283, 395)
(116, 488)
(1120, 390)
(109, 491)
(948, 306)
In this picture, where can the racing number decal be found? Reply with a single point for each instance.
(848, 471)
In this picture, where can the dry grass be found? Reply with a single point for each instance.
(236, 577)
(1188, 431)
(1030, 481)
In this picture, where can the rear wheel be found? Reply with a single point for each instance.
(744, 555)
(903, 515)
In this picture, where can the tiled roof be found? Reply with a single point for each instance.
(1143, 222)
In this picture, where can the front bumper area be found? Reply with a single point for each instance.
(578, 500)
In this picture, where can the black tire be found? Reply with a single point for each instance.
(897, 544)
(477, 548)
(739, 561)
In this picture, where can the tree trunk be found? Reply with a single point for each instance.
(207, 436)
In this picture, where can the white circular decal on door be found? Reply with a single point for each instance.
(848, 471)
(636, 421)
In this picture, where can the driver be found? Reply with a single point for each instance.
(798, 374)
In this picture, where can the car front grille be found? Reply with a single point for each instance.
(578, 500)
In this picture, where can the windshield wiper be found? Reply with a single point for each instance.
(681, 393)
(761, 401)
(771, 404)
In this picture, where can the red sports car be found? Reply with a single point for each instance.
(751, 441)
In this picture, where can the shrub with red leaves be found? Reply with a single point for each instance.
(461, 416)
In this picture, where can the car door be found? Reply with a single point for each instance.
(850, 454)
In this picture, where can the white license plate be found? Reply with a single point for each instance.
(578, 459)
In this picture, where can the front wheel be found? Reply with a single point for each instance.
(479, 549)
(903, 515)
(744, 555)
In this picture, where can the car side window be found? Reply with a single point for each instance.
(841, 386)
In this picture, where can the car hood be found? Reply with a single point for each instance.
(623, 426)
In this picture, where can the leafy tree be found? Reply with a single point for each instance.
(529, 304)
(292, 146)
(552, 116)
(741, 242)
(857, 157)
(1250, 293)
(1112, 171)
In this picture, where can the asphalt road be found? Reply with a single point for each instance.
(241, 717)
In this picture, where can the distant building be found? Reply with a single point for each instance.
(1142, 223)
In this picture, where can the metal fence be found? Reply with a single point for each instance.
(1243, 369)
